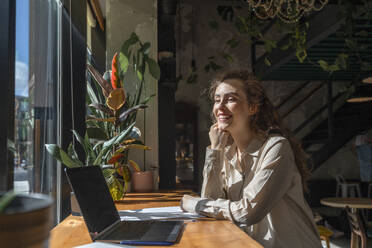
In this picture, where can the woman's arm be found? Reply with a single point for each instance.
(213, 183)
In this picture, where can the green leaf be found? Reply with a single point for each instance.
(106, 86)
(228, 57)
(53, 150)
(153, 68)
(285, 47)
(214, 66)
(124, 116)
(6, 199)
(139, 75)
(206, 68)
(124, 63)
(341, 60)
(213, 25)
(92, 95)
(192, 79)
(62, 156)
(102, 107)
(233, 43)
(145, 48)
(96, 133)
(113, 141)
(269, 45)
(301, 54)
(132, 40)
(362, 33)
(323, 64)
(68, 161)
(267, 61)
(147, 99)
(334, 68)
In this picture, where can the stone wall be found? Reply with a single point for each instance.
(122, 18)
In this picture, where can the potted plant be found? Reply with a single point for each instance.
(110, 130)
(25, 220)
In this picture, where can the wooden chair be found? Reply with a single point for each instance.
(324, 234)
(358, 234)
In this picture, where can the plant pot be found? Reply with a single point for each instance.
(143, 181)
(26, 222)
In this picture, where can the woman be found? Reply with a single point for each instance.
(254, 173)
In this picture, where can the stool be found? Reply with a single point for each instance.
(347, 189)
(324, 234)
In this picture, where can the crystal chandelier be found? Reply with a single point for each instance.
(290, 11)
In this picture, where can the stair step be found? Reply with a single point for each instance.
(315, 141)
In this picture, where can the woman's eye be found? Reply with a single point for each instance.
(216, 100)
(231, 99)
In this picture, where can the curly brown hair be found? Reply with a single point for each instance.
(266, 120)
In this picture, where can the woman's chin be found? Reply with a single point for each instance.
(223, 126)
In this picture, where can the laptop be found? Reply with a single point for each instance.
(101, 216)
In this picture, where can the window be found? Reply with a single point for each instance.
(37, 83)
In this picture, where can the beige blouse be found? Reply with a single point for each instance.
(262, 194)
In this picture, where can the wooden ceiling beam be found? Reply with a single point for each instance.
(98, 13)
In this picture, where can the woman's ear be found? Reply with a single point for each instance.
(252, 109)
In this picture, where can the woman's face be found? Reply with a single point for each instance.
(231, 108)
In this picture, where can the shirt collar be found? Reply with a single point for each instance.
(253, 149)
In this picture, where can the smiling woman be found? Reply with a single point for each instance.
(254, 173)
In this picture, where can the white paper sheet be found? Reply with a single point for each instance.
(102, 245)
(157, 214)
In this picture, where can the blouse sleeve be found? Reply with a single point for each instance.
(268, 186)
(213, 184)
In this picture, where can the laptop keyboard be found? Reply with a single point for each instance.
(143, 230)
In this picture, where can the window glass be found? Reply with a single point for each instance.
(36, 94)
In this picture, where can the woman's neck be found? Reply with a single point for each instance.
(242, 138)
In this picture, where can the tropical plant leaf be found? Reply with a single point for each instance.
(97, 133)
(147, 99)
(136, 146)
(116, 99)
(62, 156)
(114, 159)
(134, 165)
(113, 141)
(125, 47)
(115, 77)
(145, 48)
(92, 95)
(139, 75)
(323, 64)
(6, 199)
(125, 115)
(153, 68)
(124, 62)
(92, 117)
(11, 146)
(106, 87)
(101, 107)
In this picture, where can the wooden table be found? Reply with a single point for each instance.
(205, 232)
(342, 202)
(353, 203)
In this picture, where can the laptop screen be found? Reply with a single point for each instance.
(93, 196)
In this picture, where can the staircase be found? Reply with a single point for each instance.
(349, 120)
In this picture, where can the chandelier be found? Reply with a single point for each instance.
(289, 11)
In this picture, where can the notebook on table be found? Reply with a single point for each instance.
(101, 216)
